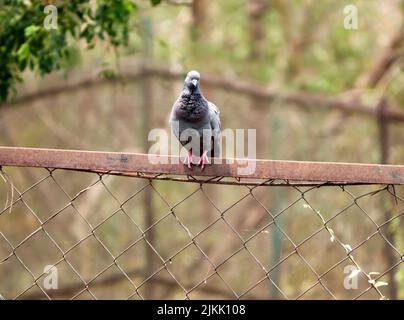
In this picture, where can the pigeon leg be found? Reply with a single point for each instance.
(188, 160)
(203, 160)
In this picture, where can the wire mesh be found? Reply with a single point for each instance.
(221, 237)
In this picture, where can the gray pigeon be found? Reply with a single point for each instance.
(195, 122)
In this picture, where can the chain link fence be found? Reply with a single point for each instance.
(82, 234)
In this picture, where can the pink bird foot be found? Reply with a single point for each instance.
(203, 160)
(188, 160)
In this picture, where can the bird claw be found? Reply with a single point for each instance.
(188, 160)
(203, 160)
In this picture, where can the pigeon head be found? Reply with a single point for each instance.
(192, 81)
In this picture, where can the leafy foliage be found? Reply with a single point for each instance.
(26, 43)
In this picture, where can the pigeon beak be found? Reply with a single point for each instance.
(194, 82)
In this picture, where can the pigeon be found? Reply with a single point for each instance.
(195, 122)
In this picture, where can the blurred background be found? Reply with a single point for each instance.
(314, 88)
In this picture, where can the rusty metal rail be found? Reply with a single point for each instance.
(91, 228)
(134, 163)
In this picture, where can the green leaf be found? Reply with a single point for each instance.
(155, 2)
(31, 30)
(23, 52)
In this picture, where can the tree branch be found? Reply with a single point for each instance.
(301, 99)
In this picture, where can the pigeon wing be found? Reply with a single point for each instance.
(216, 127)
(173, 121)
